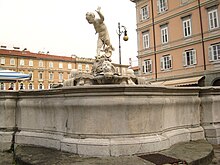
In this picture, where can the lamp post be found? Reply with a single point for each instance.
(125, 38)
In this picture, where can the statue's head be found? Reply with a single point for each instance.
(90, 17)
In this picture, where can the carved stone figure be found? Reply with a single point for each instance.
(101, 29)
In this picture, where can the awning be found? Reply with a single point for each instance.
(180, 82)
(8, 75)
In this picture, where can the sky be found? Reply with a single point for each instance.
(60, 26)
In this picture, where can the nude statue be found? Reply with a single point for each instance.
(101, 29)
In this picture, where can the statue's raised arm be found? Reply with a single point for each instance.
(100, 14)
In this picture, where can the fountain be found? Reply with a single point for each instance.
(103, 71)
(108, 114)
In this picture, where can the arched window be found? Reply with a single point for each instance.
(30, 86)
(2, 86)
(41, 86)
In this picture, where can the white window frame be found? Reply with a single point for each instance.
(214, 52)
(187, 27)
(41, 64)
(21, 85)
(164, 34)
(21, 62)
(60, 77)
(51, 76)
(40, 75)
(32, 86)
(144, 12)
(31, 63)
(147, 66)
(162, 5)
(12, 61)
(51, 64)
(60, 65)
(87, 67)
(2, 60)
(80, 67)
(50, 86)
(146, 40)
(189, 58)
(69, 66)
(42, 85)
(213, 19)
(2, 86)
(166, 62)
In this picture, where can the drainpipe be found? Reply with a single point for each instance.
(201, 26)
(155, 55)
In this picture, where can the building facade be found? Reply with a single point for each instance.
(179, 41)
(46, 69)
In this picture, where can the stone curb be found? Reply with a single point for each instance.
(194, 153)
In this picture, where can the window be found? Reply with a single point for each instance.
(214, 52)
(60, 65)
(80, 67)
(21, 62)
(41, 63)
(145, 12)
(21, 86)
(189, 57)
(40, 76)
(213, 19)
(162, 5)
(50, 76)
(2, 60)
(164, 34)
(60, 77)
(40, 86)
(166, 62)
(12, 61)
(146, 40)
(50, 86)
(187, 27)
(2, 86)
(147, 67)
(69, 76)
(69, 66)
(51, 64)
(31, 63)
(184, 1)
(30, 86)
(87, 67)
(31, 74)
(11, 86)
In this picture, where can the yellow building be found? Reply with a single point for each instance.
(46, 69)
(179, 41)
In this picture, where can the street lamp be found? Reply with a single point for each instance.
(125, 38)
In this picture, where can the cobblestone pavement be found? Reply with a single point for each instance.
(41, 156)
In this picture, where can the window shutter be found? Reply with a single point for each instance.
(184, 59)
(171, 65)
(158, 6)
(150, 66)
(210, 53)
(166, 3)
(148, 13)
(161, 63)
(140, 15)
(194, 57)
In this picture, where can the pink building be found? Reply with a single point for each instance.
(179, 41)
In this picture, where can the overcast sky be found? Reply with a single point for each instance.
(60, 27)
